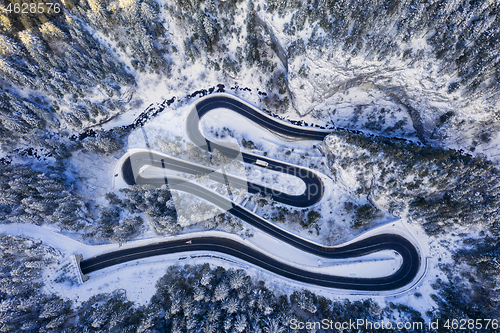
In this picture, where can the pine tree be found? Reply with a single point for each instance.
(99, 318)
(130, 10)
(199, 293)
(240, 323)
(221, 291)
(9, 72)
(237, 279)
(16, 125)
(209, 27)
(213, 315)
(8, 47)
(50, 31)
(5, 24)
(33, 120)
(191, 324)
(176, 305)
(232, 305)
(273, 325)
(206, 278)
(72, 120)
(96, 6)
(148, 13)
(35, 47)
(209, 328)
(54, 308)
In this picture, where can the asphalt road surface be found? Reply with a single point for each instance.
(131, 172)
(222, 245)
(314, 190)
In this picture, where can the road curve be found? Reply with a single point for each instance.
(403, 276)
(314, 185)
(134, 163)
(238, 250)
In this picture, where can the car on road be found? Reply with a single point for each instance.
(262, 163)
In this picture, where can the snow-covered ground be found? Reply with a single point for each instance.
(138, 278)
(167, 133)
(346, 103)
(127, 276)
(169, 128)
(326, 88)
(330, 86)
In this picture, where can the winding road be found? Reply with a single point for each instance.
(135, 162)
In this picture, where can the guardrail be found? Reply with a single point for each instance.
(76, 260)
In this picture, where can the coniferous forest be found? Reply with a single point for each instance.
(409, 90)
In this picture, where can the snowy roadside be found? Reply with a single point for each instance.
(145, 272)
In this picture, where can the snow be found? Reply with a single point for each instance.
(169, 128)
(138, 277)
(169, 125)
(332, 94)
(357, 86)
(95, 175)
